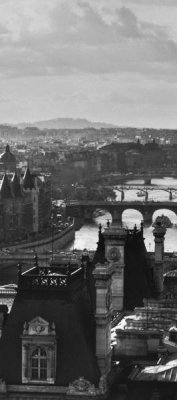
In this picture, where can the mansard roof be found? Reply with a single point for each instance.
(75, 332)
(5, 189)
(28, 182)
(16, 188)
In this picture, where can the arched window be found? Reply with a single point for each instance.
(39, 364)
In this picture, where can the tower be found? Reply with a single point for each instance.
(102, 275)
(159, 233)
(114, 252)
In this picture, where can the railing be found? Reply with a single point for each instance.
(43, 279)
(7, 291)
(112, 203)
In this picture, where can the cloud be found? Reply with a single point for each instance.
(56, 38)
(161, 3)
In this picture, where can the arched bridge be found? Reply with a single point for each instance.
(84, 209)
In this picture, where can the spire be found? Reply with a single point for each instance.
(7, 148)
(28, 180)
(16, 189)
(5, 189)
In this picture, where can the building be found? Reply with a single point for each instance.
(7, 160)
(49, 339)
(56, 340)
(25, 206)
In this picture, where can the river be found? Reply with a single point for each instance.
(87, 236)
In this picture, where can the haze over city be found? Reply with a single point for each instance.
(105, 61)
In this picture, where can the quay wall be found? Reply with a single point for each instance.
(52, 242)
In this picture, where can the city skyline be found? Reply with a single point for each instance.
(111, 63)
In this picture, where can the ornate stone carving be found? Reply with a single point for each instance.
(38, 326)
(81, 386)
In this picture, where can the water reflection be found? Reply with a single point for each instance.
(87, 236)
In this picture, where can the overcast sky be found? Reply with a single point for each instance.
(105, 60)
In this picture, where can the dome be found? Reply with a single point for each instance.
(7, 156)
(7, 160)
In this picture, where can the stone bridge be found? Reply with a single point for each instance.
(83, 210)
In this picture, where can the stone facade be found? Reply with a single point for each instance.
(114, 253)
(102, 275)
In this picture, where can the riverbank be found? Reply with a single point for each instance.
(54, 240)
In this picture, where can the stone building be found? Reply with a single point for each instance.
(25, 206)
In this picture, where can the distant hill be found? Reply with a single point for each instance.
(66, 123)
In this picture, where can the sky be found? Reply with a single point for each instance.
(104, 60)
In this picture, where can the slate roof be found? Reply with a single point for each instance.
(28, 182)
(16, 186)
(5, 189)
(74, 322)
(138, 282)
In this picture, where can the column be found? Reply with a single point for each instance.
(159, 234)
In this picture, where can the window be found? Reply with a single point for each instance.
(39, 364)
(39, 346)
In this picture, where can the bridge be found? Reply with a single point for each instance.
(145, 176)
(83, 210)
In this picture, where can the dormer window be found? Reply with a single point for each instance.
(39, 364)
(38, 352)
